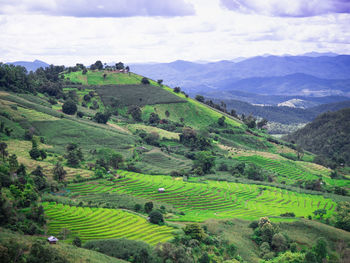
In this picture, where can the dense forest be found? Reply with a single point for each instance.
(328, 135)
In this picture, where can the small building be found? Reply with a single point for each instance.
(161, 190)
(52, 240)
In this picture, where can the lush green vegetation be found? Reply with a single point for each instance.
(85, 155)
(125, 95)
(328, 135)
(101, 223)
(210, 199)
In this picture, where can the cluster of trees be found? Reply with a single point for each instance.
(21, 190)
(98, 65)
(195, 140)
(17, 79)
(40, 251)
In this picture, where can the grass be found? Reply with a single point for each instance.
(102, 223)
(137, 94)
(21, 149)
(95, 77)
(70, 252)
(158, 162)
(211, 199)
(194, 114)
(162, 133)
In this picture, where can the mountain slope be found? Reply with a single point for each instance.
(328, 135)
(30, 65)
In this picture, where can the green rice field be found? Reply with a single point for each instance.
(101, 223)
(213, 199)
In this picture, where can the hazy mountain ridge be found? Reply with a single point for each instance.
(273, 75)
(30, 65)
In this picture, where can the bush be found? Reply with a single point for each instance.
(156, 217)
(129, 250)
(77, 242)
(102, 117)
(145, 81)
(80, 114)
(69, 107)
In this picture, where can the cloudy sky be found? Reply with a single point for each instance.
(71, 31)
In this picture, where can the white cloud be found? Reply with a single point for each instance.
(99, 8)
(288, 8)
(213, 33)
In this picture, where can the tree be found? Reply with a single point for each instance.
(127, 68)
(262, 123)
(342, 216)
(58, 172)
(200, 98)
(116, 160)
(69, 107)
(279, 243)
(102, 117)
(148, 207)
(204, 160)
(320, 250)
(154, 118)
(76, 242)
(43, 154)
(34, 153)
(3, 150)
(160, 82)
(135, 112)
(221, 121)
(300, 152)
(195, 231)
(13, 163)
(156, 217)
(84, 71)
(320, 212)
(119, 65)
(74, 154)
(204, 258)
(177, 89)
(145, 81)
(98, 65)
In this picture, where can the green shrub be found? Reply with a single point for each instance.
(130, 250)
(156, 217)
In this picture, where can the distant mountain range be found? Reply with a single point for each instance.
(30, 65)
(312, 74)
(283, 114)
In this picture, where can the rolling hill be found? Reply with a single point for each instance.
(161, 167)
(327, 135)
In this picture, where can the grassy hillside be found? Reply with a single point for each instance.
(69, 252)
(327, 135)
(212, 168)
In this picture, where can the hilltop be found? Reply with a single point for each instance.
(115, 160)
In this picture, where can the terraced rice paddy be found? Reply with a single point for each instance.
(101, 223)
(293, 171)
(200, 201)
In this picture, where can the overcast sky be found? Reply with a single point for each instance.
(82, 31)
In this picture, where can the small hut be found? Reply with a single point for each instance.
(52, 240)
(161, 190)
